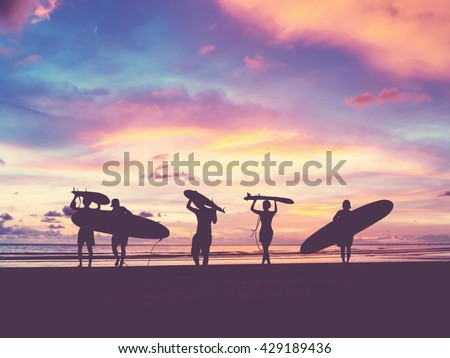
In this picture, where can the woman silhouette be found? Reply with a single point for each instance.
(266, 232)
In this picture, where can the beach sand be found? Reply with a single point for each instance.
(288, 300)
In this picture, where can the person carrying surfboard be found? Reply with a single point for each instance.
(85, 234)
(266, 231)
(345, 240)
(201, 241)
(119, 238)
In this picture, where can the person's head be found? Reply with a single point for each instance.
(86, 202)
(266, 205)
(115, 203)
(346, 204)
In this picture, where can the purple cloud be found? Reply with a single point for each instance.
(49, 220)
(53, 213)
(146, 214)
(53, 227)
(68, 211)
(6, 217)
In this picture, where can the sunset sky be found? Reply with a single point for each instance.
(82, 82)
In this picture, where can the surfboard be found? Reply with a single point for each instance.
(97, 198)
(128, 225)
(264, 197)
(359, 220)
(199, 200)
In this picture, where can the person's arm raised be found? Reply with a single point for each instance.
(190, 207)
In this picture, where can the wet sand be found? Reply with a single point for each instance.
(288, 300)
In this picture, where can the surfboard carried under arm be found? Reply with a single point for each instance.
(128, 225)
(264, 197)
(359, 220)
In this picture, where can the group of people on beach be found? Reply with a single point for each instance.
(202, 239)
(86, 234)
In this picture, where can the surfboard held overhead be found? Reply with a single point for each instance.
(95, 197)
(201, 200)
(264, 197)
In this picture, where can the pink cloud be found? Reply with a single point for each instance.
(169, 92)
(402, 37)
(43, 12)
(204, 50)
(14, 14)
(386, 95)
(6, 51)
(30, 59)
(258, 63)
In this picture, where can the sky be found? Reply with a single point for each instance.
(83, 82)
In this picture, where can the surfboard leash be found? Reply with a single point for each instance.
(151, 252)
(255, 232)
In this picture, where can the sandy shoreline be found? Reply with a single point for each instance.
(288, 300)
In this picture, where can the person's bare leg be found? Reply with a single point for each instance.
(122, 254)
(205, 253)
(195, 251)
(89, 247)
(116, 254)
(80, 255)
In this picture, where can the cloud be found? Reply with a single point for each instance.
(68, 211)
(14, 14)
(5, 217)
(50, 220)
(387, 95)
(2, 162)
(163, 156)
(434, 238)
(206, 49)
(53, 213)
(401, 37)
(146, 214)
(29, 59)
(258, 63)
(447, 193)
(53, 227)
(19, 231)
(6, 52)
(43, 12)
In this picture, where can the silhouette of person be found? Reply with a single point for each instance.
(85, 234)
(266, 231)
(345, 240)
(119, 238)
(201, 241)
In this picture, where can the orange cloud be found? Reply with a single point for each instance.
(204, 50)
(404, 37)
(387, 95)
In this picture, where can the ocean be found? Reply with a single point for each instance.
(12, 255)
